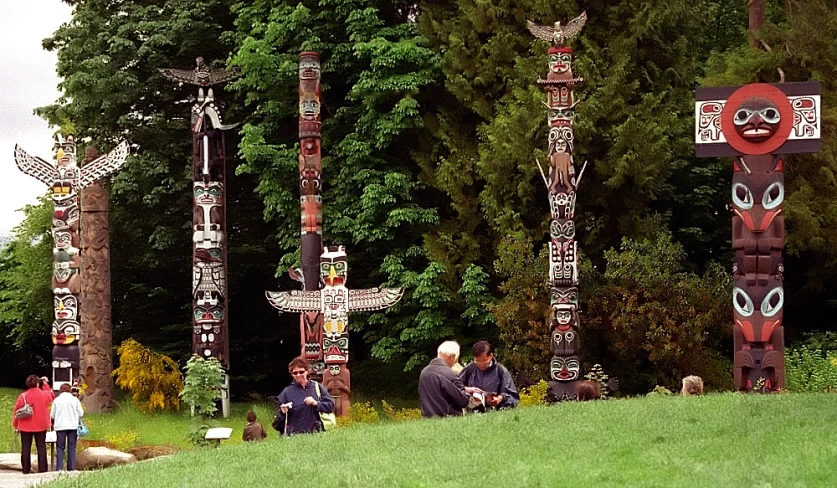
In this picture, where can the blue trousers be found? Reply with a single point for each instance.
(66, 438)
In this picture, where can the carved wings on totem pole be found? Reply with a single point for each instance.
(558, 34)
(203, 76)
(311, 301)
(48, 173)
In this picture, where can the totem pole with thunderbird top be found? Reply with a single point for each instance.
(324, 301)
(562, 181)
(210, 332)
(66, 180)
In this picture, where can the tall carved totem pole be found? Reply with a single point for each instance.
(324, 301)
(66, 180)
(562, 182)
(757, 125)
(209, 245)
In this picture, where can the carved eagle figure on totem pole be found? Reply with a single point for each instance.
(202, 75)
(558, 34)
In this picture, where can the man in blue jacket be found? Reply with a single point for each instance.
(302, 401)
(491, 378)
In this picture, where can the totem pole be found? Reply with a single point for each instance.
(209, 247)
(561, 183)
(97, 342)
(66, 180)
(757, 125)
(324, 302)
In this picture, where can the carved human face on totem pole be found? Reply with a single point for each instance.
(564, 368)
(309, 95)
(560, 60)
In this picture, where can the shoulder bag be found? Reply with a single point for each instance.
(25, 411)
(329, 420)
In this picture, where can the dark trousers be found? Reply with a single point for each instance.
(26, 451)
(66, 438)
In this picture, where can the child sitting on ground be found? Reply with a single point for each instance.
(253, 431)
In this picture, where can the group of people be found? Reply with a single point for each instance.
(483, 385)
(36, 411)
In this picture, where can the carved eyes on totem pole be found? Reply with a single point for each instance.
(560, 62)
(212, 193)
(757, 119)
(564, 369)
(309, 69)
(334, 273)
(309, 106)
(742, 197)
(565, 295)
(770, 305)
(560, 116)
(64, 332)
(66, 307)
(334, 369)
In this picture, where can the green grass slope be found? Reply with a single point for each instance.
(715, 441)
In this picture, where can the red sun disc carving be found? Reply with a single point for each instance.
(776, 96)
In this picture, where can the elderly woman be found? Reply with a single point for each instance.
(66, 413)
(32, 423)
(692, 385)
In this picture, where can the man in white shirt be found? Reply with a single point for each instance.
(66, 414)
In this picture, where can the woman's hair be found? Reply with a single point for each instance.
(692, 385)
(587, 390)
(298, 362)
(32, 381)
(251, 416)
(65, 388)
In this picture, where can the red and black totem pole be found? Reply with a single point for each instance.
(210, 333)
(562, 182)
(324, 302)
(757, 125)
(66, 180)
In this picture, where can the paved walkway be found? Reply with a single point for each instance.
(12, 477)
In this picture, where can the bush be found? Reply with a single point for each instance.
(809, 368)
(534, 395)
(399, 414)
(204, 380)
(359, 413)
(153, 379)
(660, 391)
(599, 377)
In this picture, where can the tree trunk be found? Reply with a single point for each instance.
(756, 9)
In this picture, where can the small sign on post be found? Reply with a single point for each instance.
(218, 434)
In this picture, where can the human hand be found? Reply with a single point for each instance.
(495, 400)
(309, 400)
(472, 389)
(285, 407)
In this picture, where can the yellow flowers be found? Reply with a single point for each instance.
(154, 380)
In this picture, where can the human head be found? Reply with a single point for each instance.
(251, 416)
(65, 388)
(32, 381)
(587, 390)
(692, 385)
(483, 354)
(449, 351)
(299, 365)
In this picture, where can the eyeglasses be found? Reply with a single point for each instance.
(297, 373)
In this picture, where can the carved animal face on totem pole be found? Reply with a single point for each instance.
(756, 119)
(565, 342)
(757, 310)
(758, 192)
(209, 201)
(334, 269)
(65, 328)
(209, 290)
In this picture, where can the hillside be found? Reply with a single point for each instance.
(713, 441)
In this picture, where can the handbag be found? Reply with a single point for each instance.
(25, 411)
(82, 430)
(329, 420)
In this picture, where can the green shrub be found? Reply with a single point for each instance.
(810, 369)
(660, 391)
(599, 377)
(203, 384)
(534, 395)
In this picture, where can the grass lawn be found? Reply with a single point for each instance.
(717, 441)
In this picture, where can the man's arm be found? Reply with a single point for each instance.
(510, 395)
(455, 391)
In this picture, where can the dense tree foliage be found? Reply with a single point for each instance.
(432, 123)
